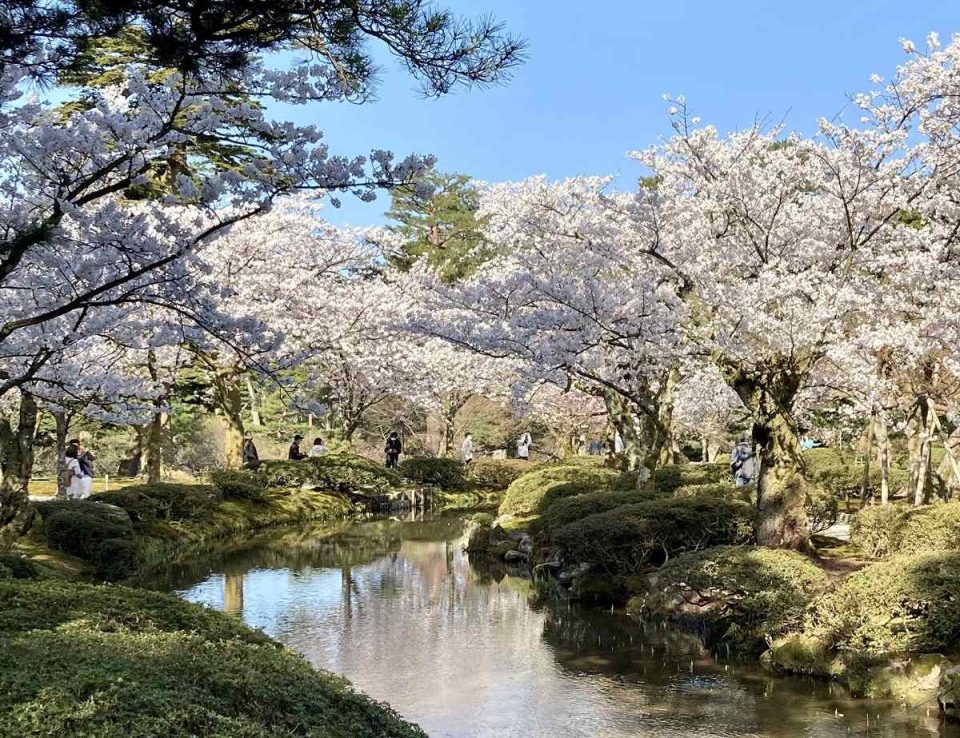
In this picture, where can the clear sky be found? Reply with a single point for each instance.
(592, 87)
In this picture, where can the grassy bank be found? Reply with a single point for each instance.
(79, 659)
(84, 660)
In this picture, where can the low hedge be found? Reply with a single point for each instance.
(343, 472)
(13, 566)
(531, 493)
(148, 503)
(569, 509)
(724, 490)
(888, 530)
(498, 473)
(626, 539)
(81, 660)
(435, 471)
(907, 604)
(739, 594)
(667, 479)
(95, 532)
(238, 484)
(841, 473)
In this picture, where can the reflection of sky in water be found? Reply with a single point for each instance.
(464, 656)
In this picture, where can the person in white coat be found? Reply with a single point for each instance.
(466, 449)
(523, 446)
(78, 487)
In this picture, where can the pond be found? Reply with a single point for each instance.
(397, 607)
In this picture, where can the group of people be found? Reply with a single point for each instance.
(392, 449)
(78, 469)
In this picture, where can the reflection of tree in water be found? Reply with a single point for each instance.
(680, 677)
(398, 608)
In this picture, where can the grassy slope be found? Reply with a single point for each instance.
(84, 660)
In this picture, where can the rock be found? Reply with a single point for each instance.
(498, 533)
(512, 557)
(500, 550)
(526, 545)
(948, 692)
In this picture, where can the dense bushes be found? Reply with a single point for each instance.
(435, 471)
(909, 603)
(568, 509)
(627, 538)
(737, 594)
(332, 472)
(111, 661)
(889, 530)
(667, 479)
(239, 485)
(498, 473)
(93, 531)
(17, 567)
(147, 503)
(840, 473)
(726, 490)
(531, 493)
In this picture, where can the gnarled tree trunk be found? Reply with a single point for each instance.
(16, 465)
(781, 487)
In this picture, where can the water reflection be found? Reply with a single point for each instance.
(396, 607)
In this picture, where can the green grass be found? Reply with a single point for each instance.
(47, 487)
(82, 660)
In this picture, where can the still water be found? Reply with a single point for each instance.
(396, 607)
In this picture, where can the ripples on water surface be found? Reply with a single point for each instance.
(397, 608)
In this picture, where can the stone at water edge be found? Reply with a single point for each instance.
(526, 545)
(513, 557)
(948, 692)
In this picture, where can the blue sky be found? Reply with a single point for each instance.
(591, 88)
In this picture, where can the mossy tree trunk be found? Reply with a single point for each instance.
(663, 446)
(781, 488)
(16, 465)
(919, 447)
(883, 459)
(450, 407)
(62, 428)
(229, 405)
(256, 417)
(153, 438)
(623, 421)
(868, 434)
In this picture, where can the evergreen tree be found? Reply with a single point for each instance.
(438, 221)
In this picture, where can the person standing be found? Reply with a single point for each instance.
(393, 449)
(85, 458)
(251, 459)
(77, 488)
(523, 446)
(743, 464)
(317, 449)
(466, 449)
(294, 453)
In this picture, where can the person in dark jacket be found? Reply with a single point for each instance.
(393, 449)
(295, 454)
(251, 459)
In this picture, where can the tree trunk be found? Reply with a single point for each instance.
(16, 465)
(919, 453)
(255, 417)
(663, 445)
(151, 458)
(883, 453)
(781, 488)
(623, 420)
(867, 454)
(228, 402)
(63, 427)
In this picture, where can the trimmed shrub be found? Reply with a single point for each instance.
(906, 604)
(437, 472)
(95, 532)
(738, 594)
(498, 473)
(626, 539)
(236, 484)
(531, 493)
(17, 567)
(667, 479)
(335, 472)
(568, 509)
(112, 661)
(822, 508)
(164, 501)
(840, 473)
(889, 530)
(725, 490)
